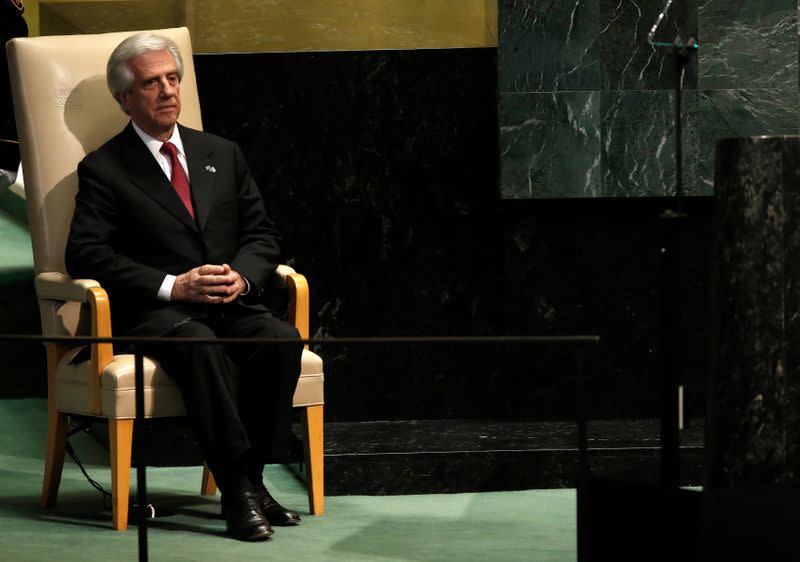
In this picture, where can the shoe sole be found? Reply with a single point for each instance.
(254, 536)
(288, 523)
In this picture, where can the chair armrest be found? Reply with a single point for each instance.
(102, 353)
(298, 297)
(57, 286)
(53, 285)
(281, 273)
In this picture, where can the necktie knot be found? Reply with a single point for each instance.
(170, 149)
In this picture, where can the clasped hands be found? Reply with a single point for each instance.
(211, 284)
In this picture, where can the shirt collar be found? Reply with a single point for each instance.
(154, 145)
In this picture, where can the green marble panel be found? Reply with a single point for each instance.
(547, 46)
(744, 80)
(550, 145)
(740, 113)
(748, 44)
(638, 149)
(629, 61)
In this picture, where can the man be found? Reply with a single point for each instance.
(170, 222)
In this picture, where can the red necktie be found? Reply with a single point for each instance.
(179, 180)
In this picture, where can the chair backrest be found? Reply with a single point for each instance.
(64, 110)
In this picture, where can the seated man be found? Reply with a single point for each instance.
(170, 222)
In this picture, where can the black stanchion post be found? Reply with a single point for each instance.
(672, 226)
(671, 223)
(141, 469)
(583, 454)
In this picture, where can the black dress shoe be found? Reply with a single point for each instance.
(243, 517)
(275, 513)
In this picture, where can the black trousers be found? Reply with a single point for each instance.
(238, 396)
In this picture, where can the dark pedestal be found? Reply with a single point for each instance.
(747, 509)
(752, 424)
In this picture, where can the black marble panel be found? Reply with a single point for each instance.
(629, 61)
(748, 44)
(740, 113)
(638, 149)
(450, 456)
(753, 387)
(591, 266)
(548, 46)
(381, 169)
(550, 145)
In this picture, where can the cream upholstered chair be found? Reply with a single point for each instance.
(64, 110)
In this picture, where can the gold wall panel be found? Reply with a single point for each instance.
(282, 25)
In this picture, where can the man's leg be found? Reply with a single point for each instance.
(205, 375)
(268, 377)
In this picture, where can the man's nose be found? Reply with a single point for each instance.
(167, 88)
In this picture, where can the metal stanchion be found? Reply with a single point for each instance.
(583, 453)
(141, 469)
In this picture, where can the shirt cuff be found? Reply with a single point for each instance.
(165, 291)
(246, 286)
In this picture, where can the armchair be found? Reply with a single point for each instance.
(64, 110)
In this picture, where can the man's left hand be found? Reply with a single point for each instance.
(236, 287)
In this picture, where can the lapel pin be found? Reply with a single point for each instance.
(211, 169)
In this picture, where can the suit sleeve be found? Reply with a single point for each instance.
(258, 249)
(90, 251)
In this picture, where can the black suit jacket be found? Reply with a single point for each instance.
(130, 228)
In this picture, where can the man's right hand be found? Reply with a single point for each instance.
(206, 284)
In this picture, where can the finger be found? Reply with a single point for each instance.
(210, 269)
(220, 290)
(230, 298)
(207, 280)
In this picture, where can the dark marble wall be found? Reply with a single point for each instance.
(587, 105)
(382, 170)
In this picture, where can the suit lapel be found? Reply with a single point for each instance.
(201, 174)
(144, 172)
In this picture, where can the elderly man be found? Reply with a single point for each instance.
(170, 222)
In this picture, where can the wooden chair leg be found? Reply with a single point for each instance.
(57, 431)
(209, 485)
(54, 455)
(120, 436)
(314, 457)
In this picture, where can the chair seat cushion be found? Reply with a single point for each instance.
(162, 398)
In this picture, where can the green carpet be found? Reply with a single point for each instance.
(529, 525)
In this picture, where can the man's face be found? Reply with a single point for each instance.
(154, 98)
